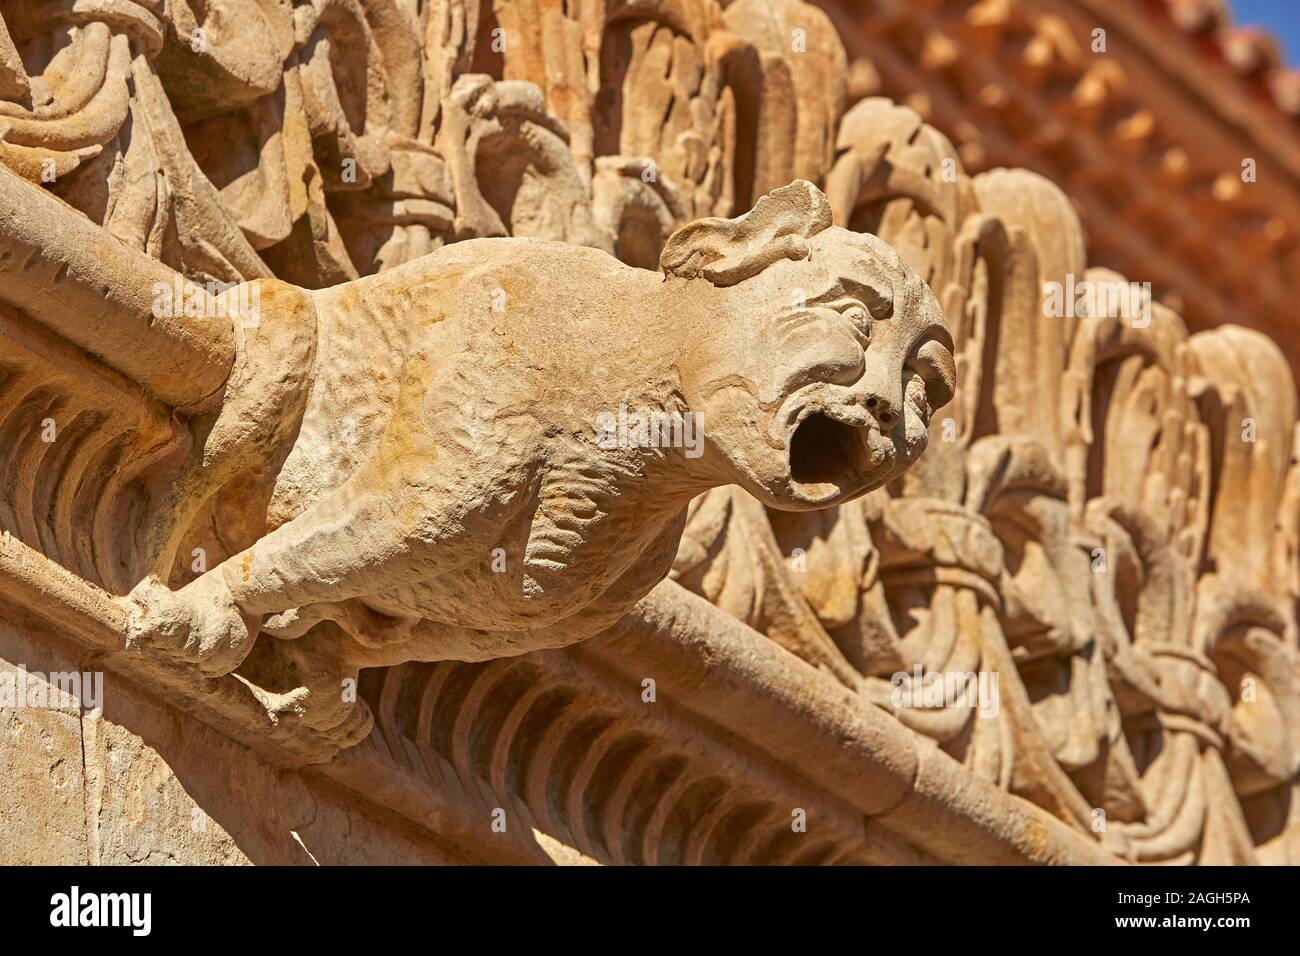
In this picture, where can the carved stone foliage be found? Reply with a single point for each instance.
(1069, 529)
(318, 141)
(456, 233)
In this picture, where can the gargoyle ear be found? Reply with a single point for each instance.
(729, 251)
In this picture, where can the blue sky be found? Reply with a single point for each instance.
(1282, 17)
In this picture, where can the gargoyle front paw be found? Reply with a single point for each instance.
(199, 624)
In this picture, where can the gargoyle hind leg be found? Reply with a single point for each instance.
(427, 640)
(313, 681)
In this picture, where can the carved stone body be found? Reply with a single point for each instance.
(449, 494)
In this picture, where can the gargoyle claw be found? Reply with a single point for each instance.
(199, 624)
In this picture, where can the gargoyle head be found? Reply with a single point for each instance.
(819, 377)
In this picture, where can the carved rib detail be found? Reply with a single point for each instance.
(572, 761)
(77, 446)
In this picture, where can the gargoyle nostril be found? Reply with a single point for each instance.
(881, 409)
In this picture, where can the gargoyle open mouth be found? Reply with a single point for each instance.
(826, 451)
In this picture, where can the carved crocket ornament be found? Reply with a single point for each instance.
(415, 460)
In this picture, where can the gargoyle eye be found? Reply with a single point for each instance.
(860, 319)
(856, 313)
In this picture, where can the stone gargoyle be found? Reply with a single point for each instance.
(410, 466)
